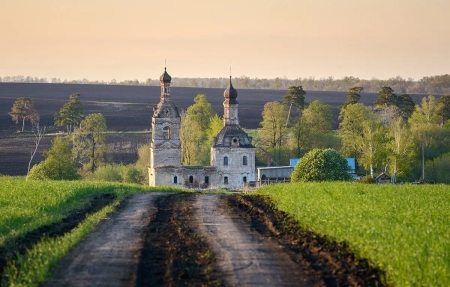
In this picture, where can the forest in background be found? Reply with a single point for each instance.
(436, 85)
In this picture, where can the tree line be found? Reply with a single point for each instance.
(437, 85)
(406, 140)
(392, 135)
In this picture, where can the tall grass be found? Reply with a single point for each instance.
(403, 229)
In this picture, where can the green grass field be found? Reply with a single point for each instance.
(28, 205)
(403, 229)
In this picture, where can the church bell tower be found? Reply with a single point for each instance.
(165, 146)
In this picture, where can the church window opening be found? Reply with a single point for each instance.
(244, 160)
(225, 179)
(166, 133)
(245, 179)
(225, 160)
(207, 179)
(191, 179)
(175, 179)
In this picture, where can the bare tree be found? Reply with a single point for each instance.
(38, 134)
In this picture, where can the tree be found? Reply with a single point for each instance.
(386, 97)
(70, 114)
(89, 141)
(143, 161)
(273, 131)
(23, 110)
(405, 106)
(443, 109)
(401, 149)
(353, 95)
(58, 163)
(363, 136)
(38, 134)
(321, 165)
(194, 136)
(318, 116)
(294, 97)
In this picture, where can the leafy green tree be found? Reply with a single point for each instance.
(353, 95)
(444, 109)
(89, 141)
(23, 110)
(215, 126)
(427, 112)
(318, 116)
(363, 136)
(273, 131)
(194, 136)
(386, 97)
(70, 115)
(294, 97)
(58, 163)
(438, 169)
(321, 165)
(143, 161)
(401, 149)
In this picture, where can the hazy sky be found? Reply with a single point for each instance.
(106, 39)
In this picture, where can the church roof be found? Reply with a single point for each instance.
(232, 136)
(230, 94)
(165, 77)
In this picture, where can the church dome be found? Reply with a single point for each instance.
(233, 136)
(230, 94)
(165, 78)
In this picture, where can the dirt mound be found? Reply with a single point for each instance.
(173, 253)
(333, 263)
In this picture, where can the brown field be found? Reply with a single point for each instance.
(126, 108)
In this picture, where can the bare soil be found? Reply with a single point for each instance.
(199, 240)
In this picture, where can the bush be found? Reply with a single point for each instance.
(109, 172)
(321, 165)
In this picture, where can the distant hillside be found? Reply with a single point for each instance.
(129, 108)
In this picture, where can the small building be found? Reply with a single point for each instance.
(383, 178)
(272, 174)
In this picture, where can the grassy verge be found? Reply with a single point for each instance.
(403, 230)
(34, 267)
(28, 205)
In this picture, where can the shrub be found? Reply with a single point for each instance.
(109, 172)
(321, 165)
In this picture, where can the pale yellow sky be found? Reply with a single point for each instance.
(106, 39)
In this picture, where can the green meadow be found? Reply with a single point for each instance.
(402, 229)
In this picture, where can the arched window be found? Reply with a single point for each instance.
(225, 179)
(225, 160)
(191, 179)
(245, 179)
(175, 179)
(244, 160)
(166, 133)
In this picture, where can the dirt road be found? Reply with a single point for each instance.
(161, 239)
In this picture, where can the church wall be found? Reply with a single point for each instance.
(186, 176)
(235, 170)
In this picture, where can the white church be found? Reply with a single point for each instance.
(232, 154)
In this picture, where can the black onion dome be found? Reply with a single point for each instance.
(230, 94)
(165, 78)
